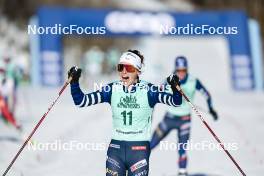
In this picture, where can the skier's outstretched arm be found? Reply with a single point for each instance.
(83, 100)
(200, 87)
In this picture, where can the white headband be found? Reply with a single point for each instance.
(132, 59)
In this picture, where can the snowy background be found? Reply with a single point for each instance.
(240, 113)
(240, 121)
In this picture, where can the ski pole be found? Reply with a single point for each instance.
(209, 128)
(36, 127)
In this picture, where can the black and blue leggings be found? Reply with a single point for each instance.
(182, 125)
(128, 157)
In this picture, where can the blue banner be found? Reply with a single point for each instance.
(56, 22)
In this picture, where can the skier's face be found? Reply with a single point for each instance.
(181, 73)
(127, 73)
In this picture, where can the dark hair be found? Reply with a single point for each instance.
(138, 54)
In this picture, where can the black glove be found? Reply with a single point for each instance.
(213, 113)
(173, 80)
(75, 73)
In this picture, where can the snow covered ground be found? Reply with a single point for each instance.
(241, 121)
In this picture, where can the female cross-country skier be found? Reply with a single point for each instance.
(132, 101)
(180, 118)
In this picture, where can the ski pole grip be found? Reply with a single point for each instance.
(69, 79)
(178, 88)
